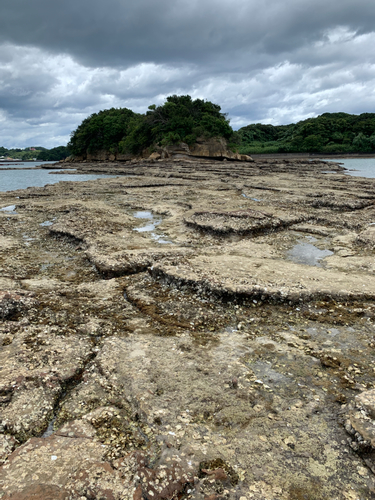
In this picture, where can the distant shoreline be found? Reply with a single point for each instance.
(313, 155)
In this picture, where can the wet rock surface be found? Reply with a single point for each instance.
(198, 357)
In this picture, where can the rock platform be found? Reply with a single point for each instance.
(189, 330)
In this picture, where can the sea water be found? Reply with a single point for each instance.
(7, 164)
(358, 167)
(22, 175)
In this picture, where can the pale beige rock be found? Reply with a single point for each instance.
(361, 421)
(367, 237)
(42, 284)
(8, 284)
(213, 147)
(7, 243)
(7, 445)
(366, 400)
(154, 156)
(48, 463)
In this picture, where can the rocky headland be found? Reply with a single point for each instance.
(190, 329)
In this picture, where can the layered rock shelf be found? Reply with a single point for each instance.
(190, 329)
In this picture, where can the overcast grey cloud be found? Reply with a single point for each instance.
(261, 60)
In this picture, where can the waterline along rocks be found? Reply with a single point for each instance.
(189, 330)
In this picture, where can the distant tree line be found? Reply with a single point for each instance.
(54, 154)
(37, 153)
(179, 119)
(182, 119)
(328, 133)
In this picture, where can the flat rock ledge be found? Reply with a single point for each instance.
(189, 329)
(271, 280)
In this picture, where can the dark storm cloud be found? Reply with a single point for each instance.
(123, 32)
(267, 61)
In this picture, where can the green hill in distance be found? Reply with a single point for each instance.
(330, 133)
(36, 153)
(179, 119)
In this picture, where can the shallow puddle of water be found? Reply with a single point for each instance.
(268, 375)
(10, 208)
(231, 329)
(27, 239)
(151, 226)
(50, 430)
(307, 253)
(249, 197)
(161, 240)
(44, 267)
(46, 223)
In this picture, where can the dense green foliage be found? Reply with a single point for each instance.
(102, 131)
(20, 154)
(37, 153)
(328, 133)
(179, 119)
(54, 154)
(182, 119)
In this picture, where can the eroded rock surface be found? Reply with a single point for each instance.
(189, 330)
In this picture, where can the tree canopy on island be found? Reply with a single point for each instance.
(102, 131)
(328, 133)
(182, 119)
(179, 119)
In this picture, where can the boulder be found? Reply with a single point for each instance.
(154, 156)
(367, 237)
(360, 423)
(12, 303)
(213, 147)
(246, 158)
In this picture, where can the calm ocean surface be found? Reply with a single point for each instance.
(358, 167)
(14, 178)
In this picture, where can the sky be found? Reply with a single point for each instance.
(262, 61)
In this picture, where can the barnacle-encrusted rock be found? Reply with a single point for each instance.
(244, 222)
(361, 421)
(12, 302)
(159, 338)
(34, 370)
